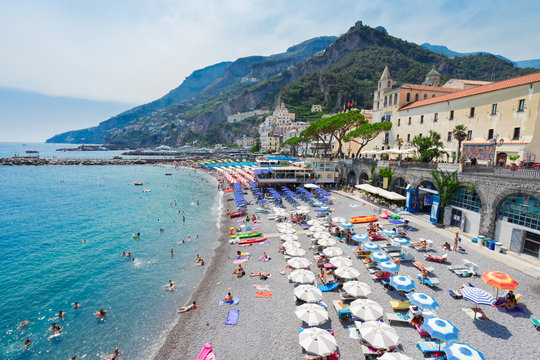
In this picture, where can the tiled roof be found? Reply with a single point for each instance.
(472, 82)
(505, 84)
(429, 88)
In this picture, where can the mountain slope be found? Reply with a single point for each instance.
(207, 86)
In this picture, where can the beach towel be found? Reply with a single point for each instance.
(241, 259)
(256, 227)
(207, 349)
(353, 333)
(328, 287)
(471, 314)
(232, 317)
(235, 301)
(263, 294)
(262, 287)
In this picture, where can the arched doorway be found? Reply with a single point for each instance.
(518, 218)
(364, 178)
(426, 190)
(400, 186)
(351, 178)
(501, 156)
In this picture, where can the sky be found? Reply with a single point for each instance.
(134, 51)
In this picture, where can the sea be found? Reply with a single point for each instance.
(62, 233)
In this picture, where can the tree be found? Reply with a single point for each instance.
(460, 134)
(293, 144)
(319, 130)
(447, 184)
(429, 147)
(399, 142)
(366, 133)
(341, 124)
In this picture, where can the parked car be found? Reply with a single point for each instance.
(536, 166)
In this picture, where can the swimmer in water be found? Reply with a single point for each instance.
(161, 230)
(183, 218)
(123, 253)
(189, 238)
(27, 342)
(172, 252)
(83, 240)
(76, 305)
(101, 313)
(172, 286)
(61, 314)
(55, 327)
(23, 324)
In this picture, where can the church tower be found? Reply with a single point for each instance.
(385, 84)
(433, 78)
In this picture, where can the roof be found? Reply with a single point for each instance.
(429, 88)
(471, 82)
(386, 73)
(433, 71)
(500, 85)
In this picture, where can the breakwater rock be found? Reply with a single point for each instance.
(60, 161)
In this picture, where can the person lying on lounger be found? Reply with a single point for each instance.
(259, 274)
(421, 244)
(184, 309)
(425, 275)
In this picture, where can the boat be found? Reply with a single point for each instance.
(168, 174)
(137, 183)
(237, 214)
(246, 235)
(32, 151)
(146, 190)
(251, 241)
(363, 219)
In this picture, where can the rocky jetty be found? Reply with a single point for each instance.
(36, 161)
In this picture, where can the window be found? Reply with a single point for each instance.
(449, 136)
(408, 137)
(451, 115)
(408, 97)
(516, 133)
(522, 210)
(421, 119)
(410, 120)
(420, 134)
(416, 97)
(433, 95)
(397, 136)
(494, 109)
(385, 100)
(521, 106)
(469, 135)
(386, 138)
(425, 96)
(436, 117)
(471, 112)
(467, 198)
(490, 134)
(395, 99)
(398, 122)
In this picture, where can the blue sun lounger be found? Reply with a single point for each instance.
(328, 287)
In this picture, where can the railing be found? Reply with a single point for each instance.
(503, 172)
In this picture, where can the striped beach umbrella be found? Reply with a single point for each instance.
(340, 261)
(440, 328)
(347, 273)
(308, 293)
(299, 263)
(389, 266)
(401, 241)
(459, 351)
(402, 283)
(371, 246)
(499, 280)
(379, 256)
(317, 341)
(360, 237)
(477, 296)
(366, 309)
(379, 335)
(332, 251)
(422, 300)
(357, 288)
(311, 314)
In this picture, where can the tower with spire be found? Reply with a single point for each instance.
(385, 85)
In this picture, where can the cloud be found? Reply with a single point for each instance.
(136, 51)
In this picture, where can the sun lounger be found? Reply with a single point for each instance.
(430, 348)
(456, 294)
(439, 259)
(420, 266)
(430, 281)
(401, 318)
(211, 356)
(328, 287)
(207, 349)
(464, 272)
(400, 305)
(536, 323)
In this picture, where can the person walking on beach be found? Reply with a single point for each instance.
(456, 242)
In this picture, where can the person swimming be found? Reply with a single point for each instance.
(76, 305)
(27, 342)
(172, 286)
(101, 313)
(55, 327)
(61, 314)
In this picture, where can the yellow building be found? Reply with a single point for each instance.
(316, 108)
(502, 119)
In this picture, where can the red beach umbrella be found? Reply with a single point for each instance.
(499, 280)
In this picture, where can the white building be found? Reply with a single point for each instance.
(245, 142)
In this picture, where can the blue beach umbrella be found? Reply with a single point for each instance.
(318, 204)
(379, 256)
(389, 266)
(370, 246)
(440, 328)
(477, 296)
(402, 283)
(346, 225)
(394, 221)
(401, 241)
(422, 300)
(459, 351)
(262, 201)
(389, 232)
(362, 238)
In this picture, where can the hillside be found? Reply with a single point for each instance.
(202, 90)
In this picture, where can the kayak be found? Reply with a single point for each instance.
(246, 235)
(237, 214)
(251, 241)
(137, 183)
(384, 215)
(363, 219)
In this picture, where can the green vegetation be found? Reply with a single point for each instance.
(386, 173)
(366, 133)
(429, 147)
(447, 184)
(460, 134)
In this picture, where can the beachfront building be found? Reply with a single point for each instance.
(325, 171)
(270, 141)
(502, 119)
(283, 175)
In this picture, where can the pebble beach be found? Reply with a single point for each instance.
(267, 327)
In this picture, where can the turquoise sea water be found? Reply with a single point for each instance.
(45, 265)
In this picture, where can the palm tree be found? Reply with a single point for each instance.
(460, 134)
(399, 143)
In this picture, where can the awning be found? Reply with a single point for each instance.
(369, 188)
(390, 195)
(431, 191)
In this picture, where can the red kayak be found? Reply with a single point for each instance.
(237, 214)
(251, 241)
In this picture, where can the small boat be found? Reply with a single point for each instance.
(168, 174)
(32, 151)
(146, 190)
(237, 214)
(251, 241)
(246, 235)
(138, 183)
(363, 219)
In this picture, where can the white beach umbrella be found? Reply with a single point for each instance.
(340, 261)
(311, 314)
(394, 356)
(292, 244)
(346, 225)
(295, 251)
(366, 309)
(338, 219)
(308, 293)
(357, 288)
(302, 208)
(302, 211)
(287, 230)
(314, 222)
(316, 228)
(302, 276)
(325, 241)
(332, 251)
(299, 263)
(321, 235)
(285, 225)
(317, 341)
(379, 335)
(310, 186)
(289, 237)
(347, 273)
